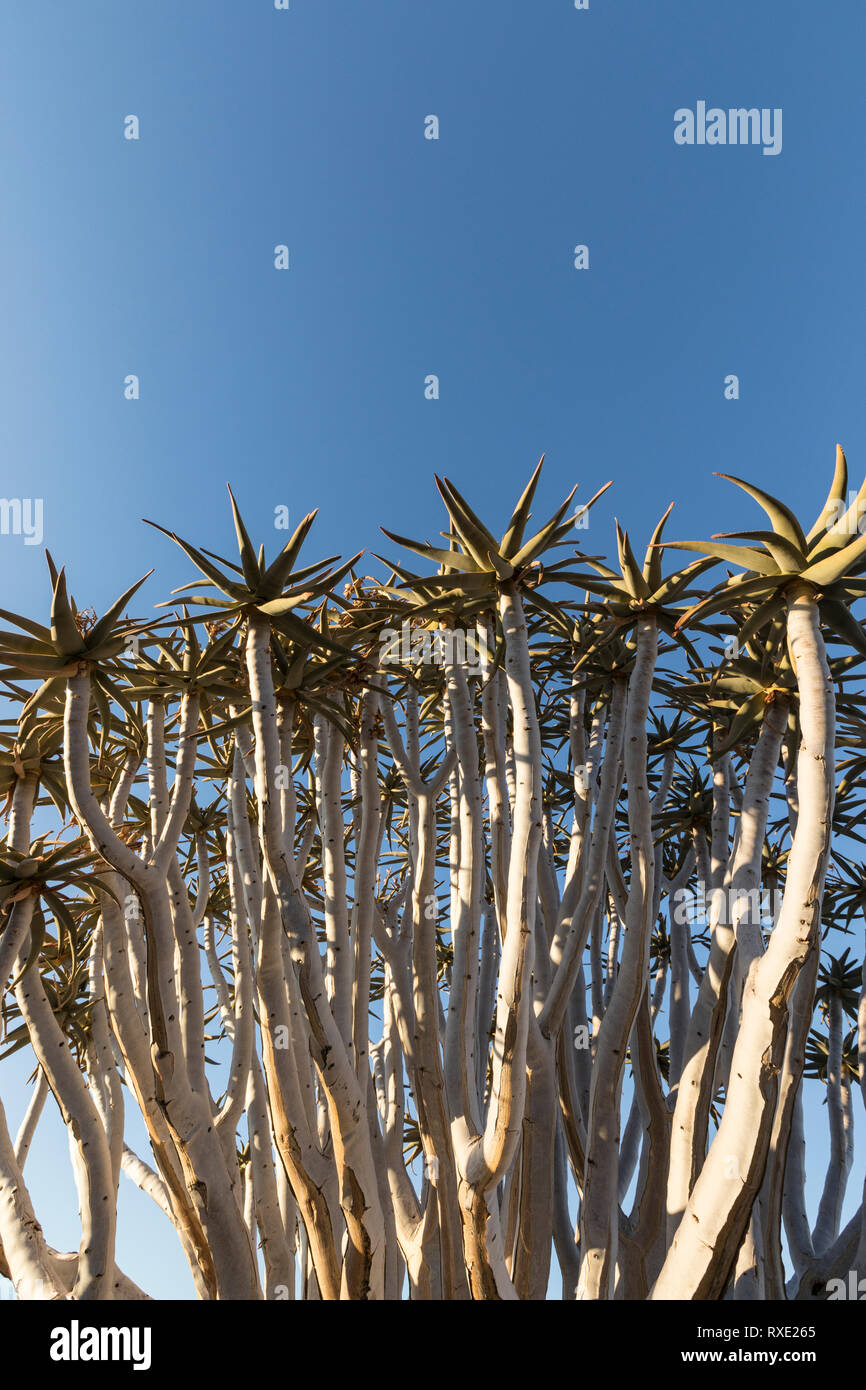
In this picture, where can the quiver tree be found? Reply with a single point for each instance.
(456, 934)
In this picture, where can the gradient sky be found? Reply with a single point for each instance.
(408, 257)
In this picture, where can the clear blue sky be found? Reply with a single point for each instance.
(411, 257)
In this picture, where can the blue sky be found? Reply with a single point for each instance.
(412, 257)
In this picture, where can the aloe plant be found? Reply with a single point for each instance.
(404, 963)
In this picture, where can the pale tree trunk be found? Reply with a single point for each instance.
(363, 1273)
(704, 1248)
(695, 1089)
(600, 1209)
(186, 1109)
(485, 1160)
